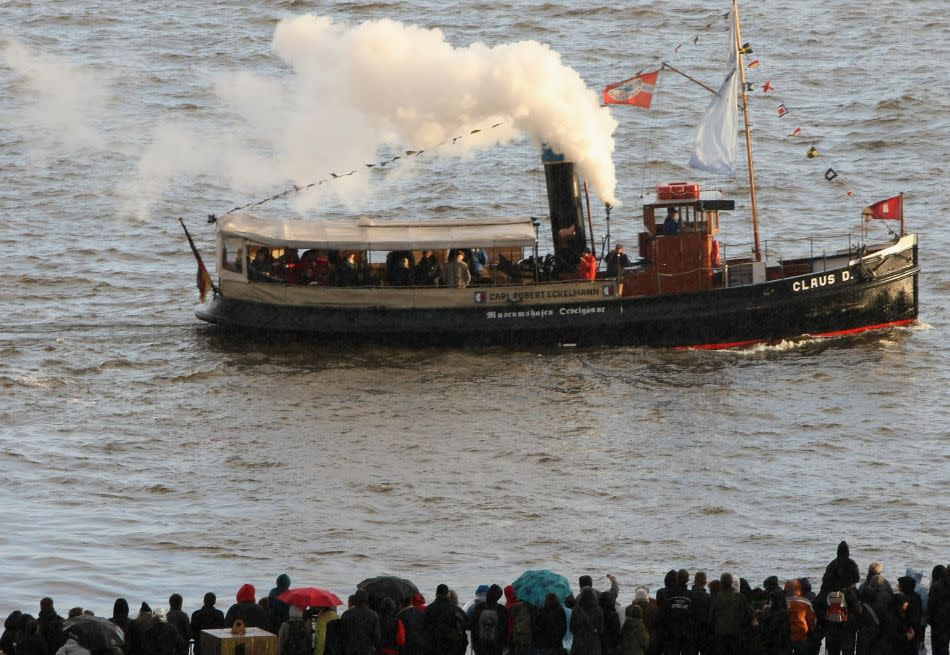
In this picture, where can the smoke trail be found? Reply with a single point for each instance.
(409, 83)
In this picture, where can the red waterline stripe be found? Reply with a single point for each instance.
(836, 333)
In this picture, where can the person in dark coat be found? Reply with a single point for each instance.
(392, 632)
(279, 610)
(701, 603)
(910, 610)
(938, 611)
(177, 618)
(877, 627)
(162, 638)
(489, 634)
(31, 643)
(775, 628)
(247, 609)
(729, 615)
(550, 626)
(587, 622)
(11, 627)
(413, 622)
(132, 630)
(610, 635)
(50, 625)
(650, 614)
(445, 624)
(359, 627)
(208, 617)
(678, 617)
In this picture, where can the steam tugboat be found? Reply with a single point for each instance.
(682, 291)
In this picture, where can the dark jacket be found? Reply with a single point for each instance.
(491, 604)
(677, 614)
(162, 639)
(550, 626)
(417, 639)
(445, 624)
(634, 638)
(729, 613)
(279, 610)
(610, 636)
(253, 615)
(938, 609)
(51, 629)
(132, 630)
(180, 620)
(359, 630)
(840, 574)
(208, 617)
(877, 624)
(587, 623)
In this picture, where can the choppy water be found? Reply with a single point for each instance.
(143, 453)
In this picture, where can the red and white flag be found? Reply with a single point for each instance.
(636, 91)
(890, 209)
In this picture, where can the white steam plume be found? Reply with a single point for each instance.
(408, 84)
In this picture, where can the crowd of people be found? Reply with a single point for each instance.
(347, 269)
(687, 616)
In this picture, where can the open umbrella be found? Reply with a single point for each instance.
(388, 586)
(95, 633)
(305, 597)
(533, 586)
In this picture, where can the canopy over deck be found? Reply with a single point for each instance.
(364, 233)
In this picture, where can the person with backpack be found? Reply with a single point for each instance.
(489, 625)
(412, 617)
(392, 631)
(295, 636)
(326, 628)
(521, 619)
(445, 624)
(838, 602)
(877, 627)
(550, 626)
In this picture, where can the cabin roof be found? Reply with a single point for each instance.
(651, 199)
(366, 233)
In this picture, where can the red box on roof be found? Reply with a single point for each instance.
(678, 191)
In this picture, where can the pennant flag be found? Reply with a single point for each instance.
(830, 174)
(782, 110)
(796, 131)
(767, 86)
(812, 153)
(890, 209)
(636, 91)
(745, 49)
(753, 63)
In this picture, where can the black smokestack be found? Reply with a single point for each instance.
(564, 201)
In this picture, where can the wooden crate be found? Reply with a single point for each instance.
(253, 642)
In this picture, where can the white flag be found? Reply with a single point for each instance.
(717, 135)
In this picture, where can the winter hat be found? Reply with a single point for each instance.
(145, 609)
(246, 594)
(481, 591)
(641, 594)
(771, 582)
(634, 612)
(283, 581)
(906, 583)
(843, 551)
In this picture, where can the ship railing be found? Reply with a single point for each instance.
(824, 251)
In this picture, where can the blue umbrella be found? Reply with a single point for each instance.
(533, 586)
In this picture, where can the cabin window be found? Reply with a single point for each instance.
(232, 255)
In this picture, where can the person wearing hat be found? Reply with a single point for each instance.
(634, 639)
(617, 260)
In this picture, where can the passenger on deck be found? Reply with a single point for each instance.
(348, 273)
(426, 272)
(262, 266)
(455, 273)
(672, 223)
(587, 267)
(477, 262)
(401, 275)
(617, 260)
(286, 266)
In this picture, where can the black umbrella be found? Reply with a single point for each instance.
(95, 633)
(387, 586)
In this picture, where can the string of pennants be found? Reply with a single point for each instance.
(390, 162)
(638, 91)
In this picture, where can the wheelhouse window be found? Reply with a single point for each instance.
(232, 255)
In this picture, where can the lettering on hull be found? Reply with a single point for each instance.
(512, 296)
(546, 313)
(819, 281)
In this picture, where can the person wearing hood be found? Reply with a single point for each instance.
(923, 591)
(359, 627)
(208, 617)
(650, 615)
(481, 592)
(12, 626)
(489, 633)
(31, 643)
(279, 610)
(909, 612)
(587, 623)
(842, 575)
(701, 603)
(132, 630)
(247, 609)
(50, 625)
(938, 611)
(634, 638)
(610, 635)
(550, 627)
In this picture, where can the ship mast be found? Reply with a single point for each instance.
(748, 138)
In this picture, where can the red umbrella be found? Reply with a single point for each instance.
(310, 597)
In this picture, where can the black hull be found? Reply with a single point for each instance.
(878, 292)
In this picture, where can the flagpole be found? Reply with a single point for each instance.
(748, 138)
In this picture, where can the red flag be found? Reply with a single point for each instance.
(637, 90)
(782, 110)
(753, 63)
(890, 209)
(767, 86)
